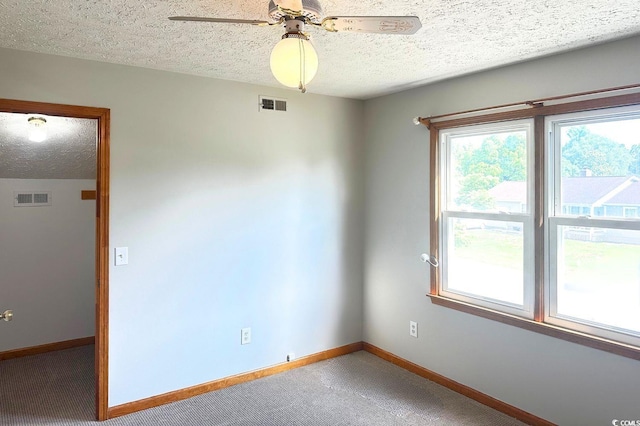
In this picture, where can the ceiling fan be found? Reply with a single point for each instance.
(294, 61)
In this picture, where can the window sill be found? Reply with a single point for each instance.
(611, 346)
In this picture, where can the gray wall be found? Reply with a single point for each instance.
(563, 382)
(233, 218)
(47, 259)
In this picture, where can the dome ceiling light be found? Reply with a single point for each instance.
(37, 129)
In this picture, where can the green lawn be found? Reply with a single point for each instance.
(495, 247)
(585, 262)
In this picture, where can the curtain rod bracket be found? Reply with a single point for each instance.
(421, 120)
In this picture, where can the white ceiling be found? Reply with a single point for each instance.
(457, 37)
(68, 152)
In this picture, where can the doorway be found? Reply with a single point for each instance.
(102, 116)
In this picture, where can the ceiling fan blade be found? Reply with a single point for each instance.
(222, 20)
(290, 5)
(405, 25)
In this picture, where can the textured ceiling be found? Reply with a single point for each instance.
(457, 37)
(69, 151)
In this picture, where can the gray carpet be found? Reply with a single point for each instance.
(356, 389)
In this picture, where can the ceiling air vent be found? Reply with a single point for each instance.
(31, 198)
(272, 104)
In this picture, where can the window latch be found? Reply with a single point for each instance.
(431, 260)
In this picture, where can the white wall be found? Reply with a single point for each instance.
(562, 382)
(47, 259)
(233, 218)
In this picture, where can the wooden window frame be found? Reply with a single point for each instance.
(538, 112)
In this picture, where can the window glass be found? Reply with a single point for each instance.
(488, 172)
(485, 259)
(600, 166)
(599, 276)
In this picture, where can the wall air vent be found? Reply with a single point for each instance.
(31, 198)
(272, 104)
(268, 104)
(281, 105)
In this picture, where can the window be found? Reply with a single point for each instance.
(536, 221)
(593, 283)
(486, 217)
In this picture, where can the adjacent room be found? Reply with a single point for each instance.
(319, 212)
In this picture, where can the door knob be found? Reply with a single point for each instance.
(7, 315)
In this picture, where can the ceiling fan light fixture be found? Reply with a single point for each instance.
(37, 131)
(294, 61)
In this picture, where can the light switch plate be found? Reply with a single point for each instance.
(122, 256)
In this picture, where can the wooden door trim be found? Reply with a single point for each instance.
(102, 115)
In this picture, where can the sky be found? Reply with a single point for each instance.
(623, 131)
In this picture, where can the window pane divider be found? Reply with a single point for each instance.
(539, 172)
(621, 223)
(506, 217)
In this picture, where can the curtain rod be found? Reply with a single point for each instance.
(533, 104)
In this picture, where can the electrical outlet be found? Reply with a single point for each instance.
(245, 334)
(413, 329)
(291, 356)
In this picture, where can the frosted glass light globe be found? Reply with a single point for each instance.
(294, 60)
(37, 131)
